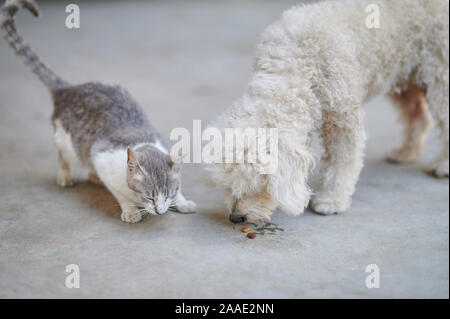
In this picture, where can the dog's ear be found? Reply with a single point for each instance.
(288, 185)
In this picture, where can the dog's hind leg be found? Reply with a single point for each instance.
(344, 139)
(415, 115)
(437, 96)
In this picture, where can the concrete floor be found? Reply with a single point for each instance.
(189, 60)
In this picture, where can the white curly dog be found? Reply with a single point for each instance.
(315, 68)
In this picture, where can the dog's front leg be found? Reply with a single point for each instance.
(344, 139)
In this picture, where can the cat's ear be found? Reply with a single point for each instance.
(132, 159)
(176, 161)
(135, 174)
(134, 168)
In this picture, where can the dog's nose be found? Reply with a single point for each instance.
(237, 219)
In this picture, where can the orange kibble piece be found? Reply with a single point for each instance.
(245, 229)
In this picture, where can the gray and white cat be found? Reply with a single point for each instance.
(102, 128)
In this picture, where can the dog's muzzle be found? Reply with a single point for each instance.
(236, 218)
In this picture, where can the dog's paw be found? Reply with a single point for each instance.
(441, 169)
(401, 156)
(187, 206)
(326, 207)
(131, 217)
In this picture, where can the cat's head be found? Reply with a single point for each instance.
(154, 177)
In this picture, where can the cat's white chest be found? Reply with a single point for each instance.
(111, 168)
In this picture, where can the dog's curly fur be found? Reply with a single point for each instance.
(315, 69)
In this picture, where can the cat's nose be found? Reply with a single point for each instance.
(161, 209)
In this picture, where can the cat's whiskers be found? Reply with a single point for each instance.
(126, 204)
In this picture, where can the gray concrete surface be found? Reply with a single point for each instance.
(189, 60)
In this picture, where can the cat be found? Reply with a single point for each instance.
(102, 128)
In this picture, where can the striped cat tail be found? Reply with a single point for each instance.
(8, 29)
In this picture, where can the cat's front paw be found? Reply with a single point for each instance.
(186, 206)
(131, 217)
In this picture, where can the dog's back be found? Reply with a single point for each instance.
(409, 33)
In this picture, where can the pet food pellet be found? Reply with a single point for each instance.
(251, 235)
(245, 229)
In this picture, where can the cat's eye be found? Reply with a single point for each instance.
(149, 199)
